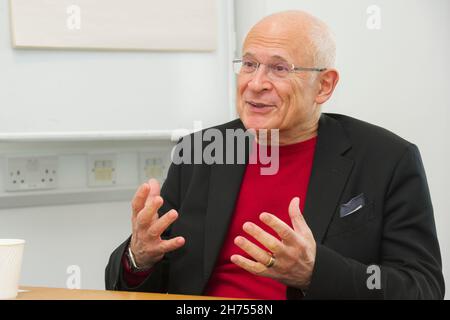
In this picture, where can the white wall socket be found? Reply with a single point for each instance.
(31, 173)
(102, 170)
(153, 165)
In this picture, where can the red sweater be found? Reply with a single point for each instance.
(258, 193)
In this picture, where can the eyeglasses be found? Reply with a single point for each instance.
(276, 71)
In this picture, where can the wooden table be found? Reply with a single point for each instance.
(40, 293)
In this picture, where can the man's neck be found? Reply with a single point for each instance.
(284, 138)
(302, 132)
(293, 137)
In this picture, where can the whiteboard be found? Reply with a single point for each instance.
(114, 24)
(66, 91)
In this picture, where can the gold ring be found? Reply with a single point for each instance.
(271, 262)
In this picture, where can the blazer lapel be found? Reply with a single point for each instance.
(225, 183)
(329, 175)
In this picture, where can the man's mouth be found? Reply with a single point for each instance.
(260, 105)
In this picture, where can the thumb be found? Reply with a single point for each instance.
(298, 222)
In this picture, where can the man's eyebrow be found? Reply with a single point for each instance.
(248, 54)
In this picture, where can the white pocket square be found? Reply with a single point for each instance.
(352, 206)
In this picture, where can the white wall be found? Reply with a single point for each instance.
(395, 77)
(61, 236)
(61, 90)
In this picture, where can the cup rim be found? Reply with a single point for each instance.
(11, 242)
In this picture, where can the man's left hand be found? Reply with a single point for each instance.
(290, 260)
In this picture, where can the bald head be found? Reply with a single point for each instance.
(309, 37)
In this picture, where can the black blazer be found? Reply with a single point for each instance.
(395, 229)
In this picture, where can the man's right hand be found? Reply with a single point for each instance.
(146, 244)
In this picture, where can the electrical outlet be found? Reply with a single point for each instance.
(153, 165)
(31, 173)
(102, 170)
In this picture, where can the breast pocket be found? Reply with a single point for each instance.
(349, 222)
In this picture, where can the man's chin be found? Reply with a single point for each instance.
(256, 123)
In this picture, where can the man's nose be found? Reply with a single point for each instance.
(260, 80)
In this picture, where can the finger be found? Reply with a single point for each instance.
(253, 250)
(266, 239)
(298, 221)
(148, 214)
(285, 232)
(152, 203)
(249, 265)
(155, 189)
(172, 244)
(138, 202)
(160, 225)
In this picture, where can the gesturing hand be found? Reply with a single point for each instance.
(291, 260)
(146, 244)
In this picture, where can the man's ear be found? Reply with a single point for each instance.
(328, 81)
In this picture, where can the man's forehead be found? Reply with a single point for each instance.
(286, 35)
(269, 50)
(253, 54)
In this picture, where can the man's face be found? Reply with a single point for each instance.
(267, 103)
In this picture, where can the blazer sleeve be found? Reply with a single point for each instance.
(157, 281)
(410, 261)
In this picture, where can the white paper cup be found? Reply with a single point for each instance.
(11, 252)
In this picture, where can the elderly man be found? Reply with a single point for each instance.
(347, 215)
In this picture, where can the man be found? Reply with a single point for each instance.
(347, 215)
